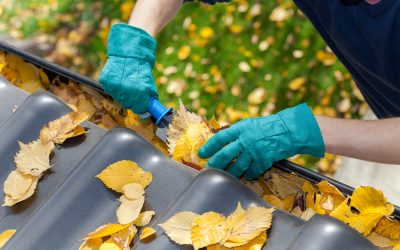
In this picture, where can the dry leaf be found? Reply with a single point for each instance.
(109, 246)
(124, 172)
(144, 218)
(147, 232)
(144, 128)
(9, 201)
(363, 210)
(389, 228)
(33, 158)
(285, 184)
(6, 236)
(208, 229)
(330, 192)
(17, 184)
(178, 227)
(133, 191)
(185, 135)
(129, 210)
(255, 244)
(244, 226)
(93, 244)
(307, 214)
(124, 238)
(63, 128)
(381, 241)
(106, 230)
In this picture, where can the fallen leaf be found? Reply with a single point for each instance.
(381, 241)
(6, 236)
(389, 228)
(10, 201)
(178, 227)
(144, 218)
(109, 246)
(285, 184)
(208, 229)
(255, 244)
(93, 244)
(147, 232)
(330, 191)
(63, 128)
(105, 230)
(17, 184)
(133, 191)
(33, 158)
(124, 172)
(129, 210)
(124, 237)
(363, 210)
(244, 226)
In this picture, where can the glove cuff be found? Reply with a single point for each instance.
(129, 41)
(304, 130)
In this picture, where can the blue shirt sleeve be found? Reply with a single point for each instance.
(366, 39)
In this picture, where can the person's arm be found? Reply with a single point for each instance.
(152, 16)
(375, 140)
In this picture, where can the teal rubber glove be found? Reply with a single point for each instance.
(127, 75)
(256, 143)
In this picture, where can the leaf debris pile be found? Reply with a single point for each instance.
(366, 210)
(243, 229)
(33, 159)
(127, 178)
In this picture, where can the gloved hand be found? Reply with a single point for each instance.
(127, 75)
(258, 142)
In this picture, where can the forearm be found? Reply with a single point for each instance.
(377, 140)
(153, 15)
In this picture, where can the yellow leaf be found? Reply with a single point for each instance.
(147, 232)
(8, 197)
(208, 229)
(255, 244)
(184, 52)
(178, 227)
(257, 96)
(17, 184)
(109, 246)
(213, 123)
(133, 191)
(121, 173)
(363, 210)
(381, 241)
(106, 230)
(144, 218)
(310, 192)
(244, 226)
(63, 128)
(397, 247)
(273, 200)
(93, 244)
(129, 210)
(297, 83)
(144, 128)
(124, 237)
(31, 86)
(6, 236)
(33, 158)
(186, 134)
(388, 228)
(206, 32)
(328, 190)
